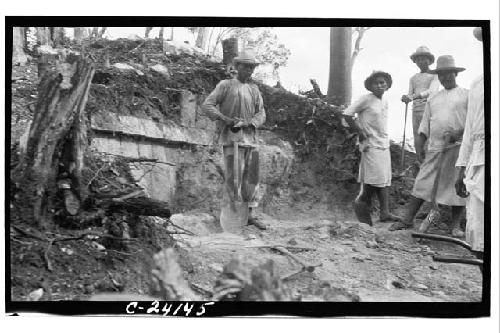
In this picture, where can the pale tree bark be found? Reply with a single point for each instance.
(57, 136)
(339, 81)
(18, 42)
(202, 38)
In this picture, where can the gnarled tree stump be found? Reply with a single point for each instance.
(57, 137)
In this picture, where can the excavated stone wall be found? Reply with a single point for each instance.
(179, 162)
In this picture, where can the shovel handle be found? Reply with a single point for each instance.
(404, 139)
(235, 169)
(442, 238)
(458, 260)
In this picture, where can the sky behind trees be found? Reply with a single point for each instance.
(386, 49)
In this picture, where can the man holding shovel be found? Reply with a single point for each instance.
(240, 112)
(442, 126)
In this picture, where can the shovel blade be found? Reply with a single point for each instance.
(432, 219)
(234, 216)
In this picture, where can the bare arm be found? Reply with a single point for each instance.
(355, 108)
(355, 126)
(408, 98)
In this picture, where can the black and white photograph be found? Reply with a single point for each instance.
(242, 166)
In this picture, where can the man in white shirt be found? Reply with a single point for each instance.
(470, 164)
(442, 126)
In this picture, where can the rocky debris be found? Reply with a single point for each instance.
(35, 295)
(241, 281)
(168, 279)
(163, 70)
(176, 48)
(126, 67)
(396, 284)
(326, 291)
(201, 224)
(420, 286)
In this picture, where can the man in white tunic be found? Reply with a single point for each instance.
(442, 126)
(375, 165)
(470, 164)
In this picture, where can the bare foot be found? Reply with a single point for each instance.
(362, 211)
(252, 220)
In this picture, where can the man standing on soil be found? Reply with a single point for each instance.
(375, 166)
(470, 164)
(422, 85)
(241, 112)
(442, 126)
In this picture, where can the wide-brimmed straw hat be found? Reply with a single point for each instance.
(446, 63)
(246, 57)
(375, 74)
(422, 51)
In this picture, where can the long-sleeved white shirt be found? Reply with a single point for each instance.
(472, 149)
(239, 101)
(445, 111)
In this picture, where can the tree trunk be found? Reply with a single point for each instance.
(102, 32)
(160, 34)
(202, 38)
(18, 41)
(79, 33)
(94, 32)
(229, 50)
(339, 81)
(58, 121)
(57, 36)
(43, 36)
(148, 30)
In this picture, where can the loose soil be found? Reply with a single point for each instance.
(311, 209)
